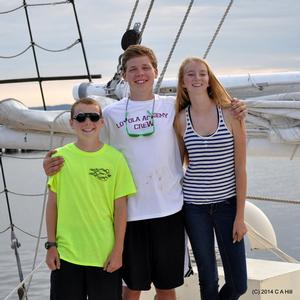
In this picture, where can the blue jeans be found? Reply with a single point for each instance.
(201, 222)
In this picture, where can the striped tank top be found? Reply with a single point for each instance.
(210, 176)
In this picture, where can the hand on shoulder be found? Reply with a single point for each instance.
(233, 123)
(238, 109)
(52, 165)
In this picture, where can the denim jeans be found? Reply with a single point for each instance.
(201, 222)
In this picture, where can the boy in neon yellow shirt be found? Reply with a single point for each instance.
(86, 212)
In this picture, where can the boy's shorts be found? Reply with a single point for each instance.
(154, 253)
(77, 282)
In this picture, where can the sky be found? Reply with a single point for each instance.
(258, 36)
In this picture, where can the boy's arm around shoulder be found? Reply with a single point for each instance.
(238, 109)
(52, 165)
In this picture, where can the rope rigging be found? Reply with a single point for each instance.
(33, 44)
(22, 283)
(130, 37)
(44, 203)
(14, 241)
(218, 29)
(4, 230)
(22, 290)
(146, 17)
(16, 55)
(58, 50)
(11, 10)
(21, 194)
(19, 157)
(43, 48)
(24, 231)
(36, 4)
(132, 14)
(276, 200)
(51, 3)
(30, 234)
(21, 286)
(160, 79)
(162, 74)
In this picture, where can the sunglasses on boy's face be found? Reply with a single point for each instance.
(81, 117)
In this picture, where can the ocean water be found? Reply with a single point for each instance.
(267, 177)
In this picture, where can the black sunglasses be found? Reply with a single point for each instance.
(81, 117)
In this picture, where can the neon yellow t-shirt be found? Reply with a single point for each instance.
(86, 188)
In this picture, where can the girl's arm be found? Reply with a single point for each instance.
(239, 133)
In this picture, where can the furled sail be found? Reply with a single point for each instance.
(273, 121)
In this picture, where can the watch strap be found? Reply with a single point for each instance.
(48, 245)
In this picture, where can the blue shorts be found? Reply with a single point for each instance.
(154, 253)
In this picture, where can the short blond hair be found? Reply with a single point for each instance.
(88, 101)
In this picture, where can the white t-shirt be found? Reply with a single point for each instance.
(154, 160)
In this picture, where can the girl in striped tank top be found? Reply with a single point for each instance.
(214, 185)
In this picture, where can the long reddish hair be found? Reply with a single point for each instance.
(216, 91)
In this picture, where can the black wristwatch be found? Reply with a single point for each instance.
(48, 245)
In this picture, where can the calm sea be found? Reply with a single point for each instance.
(267, 177)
